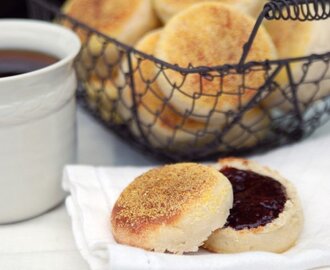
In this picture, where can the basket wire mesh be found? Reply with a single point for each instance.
(116, 90)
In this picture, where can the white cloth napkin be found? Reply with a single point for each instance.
(93, 192)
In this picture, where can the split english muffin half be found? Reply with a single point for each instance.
(266, 214)
(173, 208)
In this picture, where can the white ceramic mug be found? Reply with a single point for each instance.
(37, 120)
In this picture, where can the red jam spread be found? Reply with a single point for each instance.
(258, 199)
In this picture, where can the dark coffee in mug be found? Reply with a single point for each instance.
(16, 62)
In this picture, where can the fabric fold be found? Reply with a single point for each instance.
(93, 192)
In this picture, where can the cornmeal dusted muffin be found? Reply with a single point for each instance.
(173, 208)
(211, 34)
(161, 118)
(166, 9)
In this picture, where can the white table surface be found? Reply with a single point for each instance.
(46, 242)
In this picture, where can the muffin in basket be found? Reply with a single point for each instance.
(166, 127)
(123, 20)
(166, 9)
(211, 34)
(297, 39)
(102, 96)
(163, 125)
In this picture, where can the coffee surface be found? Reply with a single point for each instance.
(16, 62)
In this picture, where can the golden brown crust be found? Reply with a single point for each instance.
(168, 8)
(165, 121)
(124, 20)
(163, 208)
(185, 40)
(104, 15)
(152, 100)
(161, 196)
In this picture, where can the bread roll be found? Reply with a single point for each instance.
(173, 208)
(166, 9)
(211, 34)
(258, 228)
(163, 125)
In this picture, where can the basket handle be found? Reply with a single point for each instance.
(297, 10)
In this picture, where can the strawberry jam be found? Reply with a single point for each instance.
(258, 199)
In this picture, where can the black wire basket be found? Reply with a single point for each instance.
(298, 106)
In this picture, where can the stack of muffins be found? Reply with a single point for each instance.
(176, 109)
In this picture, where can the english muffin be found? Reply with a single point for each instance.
(266, 213)
(172, 208)
(124, 20)
(252, 129)
(167, 127)
(166, 9)
(211, 34)
(296, 39)
(163, 124)
(102, 95)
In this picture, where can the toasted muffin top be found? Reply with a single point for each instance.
(168, 8)
(213, 34)
(163, 195)
(108, 16)
(151, 100)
